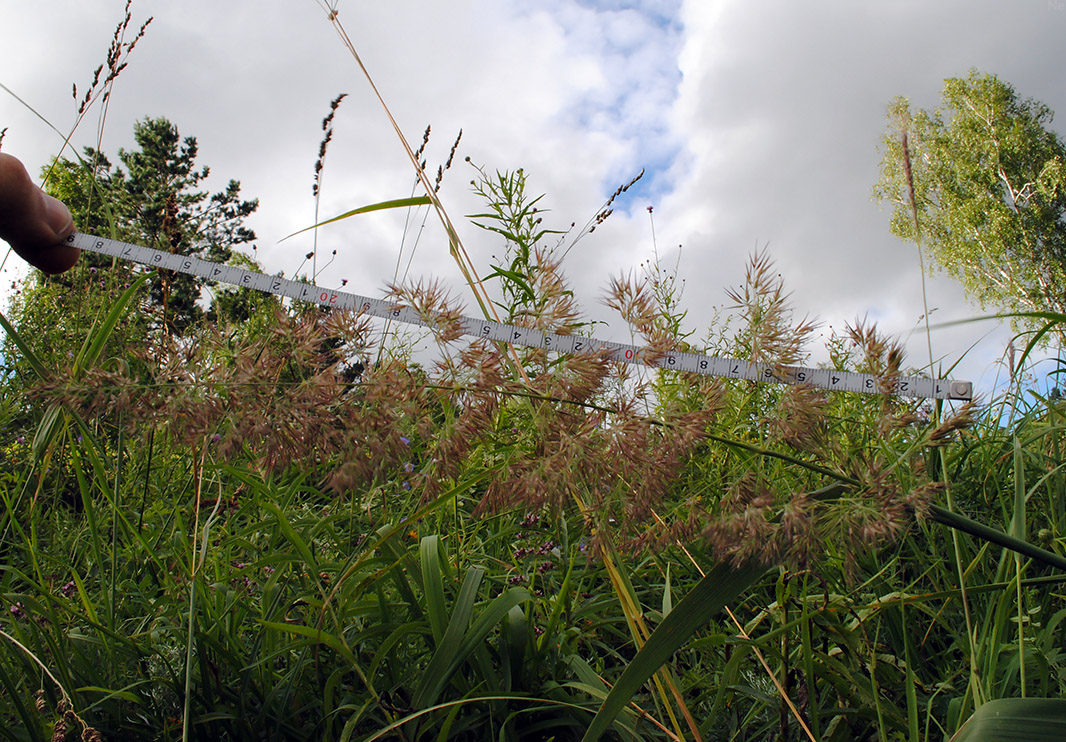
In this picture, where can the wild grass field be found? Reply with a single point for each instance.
(276, 521)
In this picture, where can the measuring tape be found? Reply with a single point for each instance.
(730, 368)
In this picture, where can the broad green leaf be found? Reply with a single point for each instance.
(513, 640)
(449, 646)
(521, 282)
(722, 585)
(1016, 720)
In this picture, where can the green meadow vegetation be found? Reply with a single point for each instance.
(248, 519)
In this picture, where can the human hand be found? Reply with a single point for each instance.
(35, 224)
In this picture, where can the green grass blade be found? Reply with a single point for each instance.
(444, 664)
(910, 679)
(513, 641)
(722, 585)
(808, 664)
(986, 533)
(449, 645)
(293, 537)
(22, 345)
(95, 344)
(464, 605)
(51, 423)
(315, 636)
(436, 608)
(32, 729)
(1017, 525)
(398, 203)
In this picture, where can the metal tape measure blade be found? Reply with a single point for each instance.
(848, 381)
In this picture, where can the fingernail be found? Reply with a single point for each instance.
(58, 216)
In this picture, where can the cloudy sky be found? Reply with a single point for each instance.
(756, 123)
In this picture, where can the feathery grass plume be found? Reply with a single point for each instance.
(773, 513)
(576, 379)
(883, 358)
(381, 421)
(962, 419)
(554, 309)
(799, 420)
(350, 336)
(745, 530)
(434, 307)
(637, 304)
(768, 335)
(480, 383)
(879, 355)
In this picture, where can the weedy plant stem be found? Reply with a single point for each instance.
(39, 663)
(195, 561)
(1018, 531)
(970, 637)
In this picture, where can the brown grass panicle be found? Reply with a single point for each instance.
(323, 146)
(637, 304)
(434, 307)
(841, 484)
(758, 522)
(116, 61)
(769, 334)
(615, 466)
(799, 420)
(262, 396)
(746, 528)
